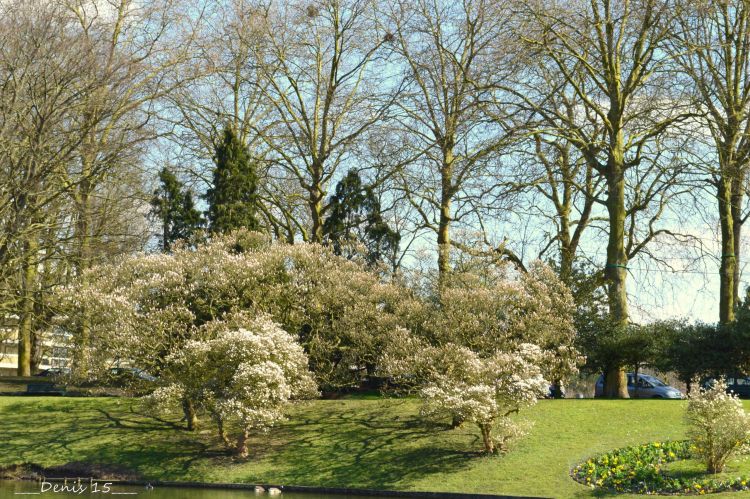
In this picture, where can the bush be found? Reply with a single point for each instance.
(718, 425)
(145, 307)
(244, 376)
(458, 383)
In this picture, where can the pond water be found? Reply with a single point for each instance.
(27, 489)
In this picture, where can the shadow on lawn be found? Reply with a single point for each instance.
(85, 431)
(363, 445)
(373, 449)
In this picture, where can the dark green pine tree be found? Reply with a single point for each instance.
(233, 196)
(354, 212)
(172, 204)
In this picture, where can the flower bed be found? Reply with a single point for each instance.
(640, 469)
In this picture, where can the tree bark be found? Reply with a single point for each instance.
(222, 431)
(191, 416)
(616, 271)
(738, 193)
(444, 224)
(242, 450)
(616, 383)
(489, 445)
(727, 271)
(26, 322)
(316, 195)
(316, 214)
(83, 260)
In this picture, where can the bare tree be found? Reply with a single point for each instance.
(322, 70)
(711, 43)
(610, 54)
(42, 94)
(135, 48)
(451, 110)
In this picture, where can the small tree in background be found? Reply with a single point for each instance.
(172, 204)
(355, 216)
(694, 350)
(718, 425)
(233, 196)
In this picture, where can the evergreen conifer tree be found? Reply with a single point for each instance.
(355, 214)
(233, 198)
(173, 205)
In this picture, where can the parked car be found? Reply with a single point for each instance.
(125, 375)
(646, 387)
(53, 372)
(739, 385)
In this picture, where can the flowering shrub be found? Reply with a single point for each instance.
(245, 376)
(499, 311)
(487, 347)
(718, 425)
(144, 307)
(458, 383)
(640, 470)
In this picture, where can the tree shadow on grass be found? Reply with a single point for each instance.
(84, 431)
(366, 449)
(338, 444)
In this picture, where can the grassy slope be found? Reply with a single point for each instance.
(348, 443)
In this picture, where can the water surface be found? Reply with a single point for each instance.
(102, 490)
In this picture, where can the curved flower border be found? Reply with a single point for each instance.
(639, 469)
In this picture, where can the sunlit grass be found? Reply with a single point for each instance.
(370, 443)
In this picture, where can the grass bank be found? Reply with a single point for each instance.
(337, 443)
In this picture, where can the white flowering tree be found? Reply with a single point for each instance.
(717, 424)
(491, 344)
(500, 311)
(143, 308)
(486, 391)
(245, 376)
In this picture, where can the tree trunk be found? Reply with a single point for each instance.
(616, 270)
(242, 450)
(191, 417)
(26, 322)
(557, 389)
(727, 271)
(616, 383)
(566, 260)
(457, 422)
(489, 445)
(738, 193)
(83, 262)
(315, 201)
(443, 235)
(222, 432)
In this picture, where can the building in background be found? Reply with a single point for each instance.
(51, 349)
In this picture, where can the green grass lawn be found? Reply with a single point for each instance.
(338, 443)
